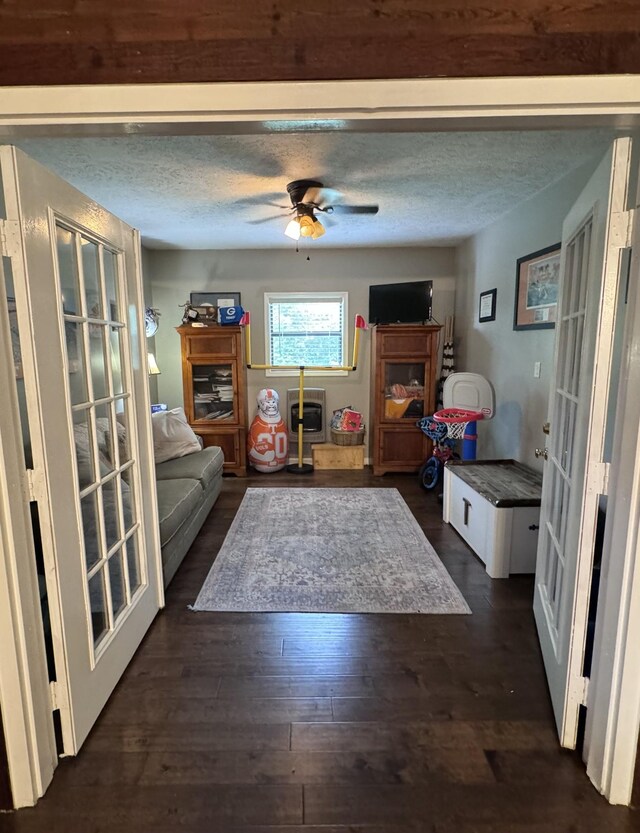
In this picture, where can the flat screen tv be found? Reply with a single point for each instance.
(400, 303)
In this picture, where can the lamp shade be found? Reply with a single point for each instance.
(293, 229)
(154, 370)
(306, 225)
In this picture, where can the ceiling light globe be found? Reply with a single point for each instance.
(306, 226)
(293, 229)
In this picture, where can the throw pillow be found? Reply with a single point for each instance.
(84, 455)
(172, 435)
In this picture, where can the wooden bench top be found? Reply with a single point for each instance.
(504, 483)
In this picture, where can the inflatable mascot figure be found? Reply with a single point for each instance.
(268, 440)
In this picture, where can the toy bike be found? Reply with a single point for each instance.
(443, 450)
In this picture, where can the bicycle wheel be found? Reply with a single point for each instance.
(429, 473)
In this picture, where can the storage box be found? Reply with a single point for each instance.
(495, 506)
(330, 456)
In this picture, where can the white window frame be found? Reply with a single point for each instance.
(274, 297)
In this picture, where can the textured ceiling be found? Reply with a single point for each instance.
(200, 192)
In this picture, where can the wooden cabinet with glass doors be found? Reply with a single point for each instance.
(214, 384)
(403, 386)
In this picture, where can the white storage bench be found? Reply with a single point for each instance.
(495, 506)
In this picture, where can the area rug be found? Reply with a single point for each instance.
(328, 551)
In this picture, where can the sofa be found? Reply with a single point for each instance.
(188, 482)
(187, 488)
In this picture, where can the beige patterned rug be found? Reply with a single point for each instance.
(328, 551)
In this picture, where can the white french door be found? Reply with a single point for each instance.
(79, 302)
(575, 473)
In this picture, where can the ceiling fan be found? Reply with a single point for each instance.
(310, 197)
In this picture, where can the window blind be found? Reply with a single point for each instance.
(306, 330)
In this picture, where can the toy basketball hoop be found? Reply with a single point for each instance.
(467, 397)
(456, 420)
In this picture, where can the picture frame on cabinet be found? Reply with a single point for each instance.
(537, 287)
(217, 299)
(487, 306)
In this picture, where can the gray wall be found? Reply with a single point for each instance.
(503, 355)
(148, 302)
(174, 274)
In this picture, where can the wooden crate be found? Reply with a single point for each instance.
(330, 456)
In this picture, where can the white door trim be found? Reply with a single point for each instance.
(446, 104)
(324, 105)
(24, 681)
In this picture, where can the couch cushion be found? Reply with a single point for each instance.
(202, 466)
(172, 435)
(177, 500)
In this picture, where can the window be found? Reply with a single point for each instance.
(305, 328)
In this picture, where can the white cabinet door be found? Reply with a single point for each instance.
(575, 474)
(469, 513)
(79, 302)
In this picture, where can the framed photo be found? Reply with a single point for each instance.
(218, 299)
(487, 306)
(537, 287)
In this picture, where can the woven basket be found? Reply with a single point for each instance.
(347, 437)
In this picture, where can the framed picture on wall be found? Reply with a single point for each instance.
(537, 287)
(487, 306)
(218, 299)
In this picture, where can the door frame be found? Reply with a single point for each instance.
(391, 105)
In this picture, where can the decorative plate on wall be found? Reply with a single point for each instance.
(151, 317)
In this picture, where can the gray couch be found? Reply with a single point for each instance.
(187, 489)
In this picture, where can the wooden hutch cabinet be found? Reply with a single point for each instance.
(214, 383)
(403, 387)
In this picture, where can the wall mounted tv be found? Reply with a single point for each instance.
(400, 303)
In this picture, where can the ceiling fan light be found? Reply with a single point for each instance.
(318, 230)
(293, 229)
(306, 225)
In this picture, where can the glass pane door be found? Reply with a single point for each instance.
(213, 389)
(98, 384)
(574, 474)
(404, 390)
(77, 276)
(562, 471)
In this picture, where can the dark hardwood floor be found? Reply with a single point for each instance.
(332, 723)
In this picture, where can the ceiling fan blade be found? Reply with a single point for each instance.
(322, 196)
(257, 201)
(267, 219)
(262, 199)
(352, 209)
